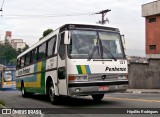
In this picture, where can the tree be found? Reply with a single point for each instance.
(13, 61)
(7, 53)
(46, 32)
(25, 48)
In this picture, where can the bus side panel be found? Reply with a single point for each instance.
(35, 81)
(51, 71)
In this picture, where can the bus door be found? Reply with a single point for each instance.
(62, 80)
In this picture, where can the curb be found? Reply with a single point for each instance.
(144, 92)
(2, 106)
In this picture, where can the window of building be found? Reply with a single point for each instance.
(27, 59)
(34, 55)
(51, 46)
(152, 47)
(153, 19)
(42, 51)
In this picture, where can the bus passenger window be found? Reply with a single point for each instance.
(51, 46)
(27, 58)
(22, 61)
(0, 76)
(42, 51)
(62, 47)
(34, 55)
(18, 63)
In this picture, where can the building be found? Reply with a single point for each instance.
(151, 12)
(18, 43)
(2, 42)
(8, 36)
(15, 43)
(136, 59)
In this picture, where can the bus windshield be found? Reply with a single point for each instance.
(83, 43)
(9, 76)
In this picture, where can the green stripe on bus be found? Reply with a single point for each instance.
(79, 69)
(43, 76)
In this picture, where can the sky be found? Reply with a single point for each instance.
(27, 19)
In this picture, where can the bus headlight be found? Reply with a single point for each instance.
(78, 78)
(122, 77)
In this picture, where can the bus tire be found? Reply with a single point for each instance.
(97, 97)
(51, 93)
(24, 93)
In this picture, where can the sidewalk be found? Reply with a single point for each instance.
(153, 91)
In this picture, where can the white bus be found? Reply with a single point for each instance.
(74, 60)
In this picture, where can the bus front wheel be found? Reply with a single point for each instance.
(51, 93)
(97, 97)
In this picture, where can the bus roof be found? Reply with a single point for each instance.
(79, 25)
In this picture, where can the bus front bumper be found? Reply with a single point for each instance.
(9, 86)
(81, 88)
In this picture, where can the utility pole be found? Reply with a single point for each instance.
(103, 12)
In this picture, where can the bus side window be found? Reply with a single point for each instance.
(42, 51)
(51, 46)
(22, 61)
(27, 58)
(18, 63)
(61, 50)
(0, 76)
(34, 55)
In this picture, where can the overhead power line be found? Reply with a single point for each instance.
(47, 15)
(19, 36)
(2, 5)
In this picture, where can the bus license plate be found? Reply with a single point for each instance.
(103, 88)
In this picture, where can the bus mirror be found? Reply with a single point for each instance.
(123, 42)
(67, 37)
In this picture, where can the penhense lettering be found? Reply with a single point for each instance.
(115, 69)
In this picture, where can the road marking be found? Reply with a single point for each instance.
(41, 115)
(132, 99)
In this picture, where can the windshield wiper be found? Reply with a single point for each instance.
(91, 54)
(108, 52)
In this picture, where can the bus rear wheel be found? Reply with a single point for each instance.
(97, 97)
(24, 93)
(51, 93)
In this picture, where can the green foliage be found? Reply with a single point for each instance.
(8, 55)
(27, 46)
(46, 32)
(2, 102)
(13, 61)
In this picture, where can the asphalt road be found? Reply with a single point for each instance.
(13, 99)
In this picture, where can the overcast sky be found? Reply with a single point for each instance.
(27, 18)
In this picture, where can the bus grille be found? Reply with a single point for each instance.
(98, 77)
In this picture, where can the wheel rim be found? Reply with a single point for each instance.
(51, 93)
(22, 90)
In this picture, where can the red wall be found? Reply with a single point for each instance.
(153, 35)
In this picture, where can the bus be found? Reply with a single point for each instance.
(7, 77)
(74, 60)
